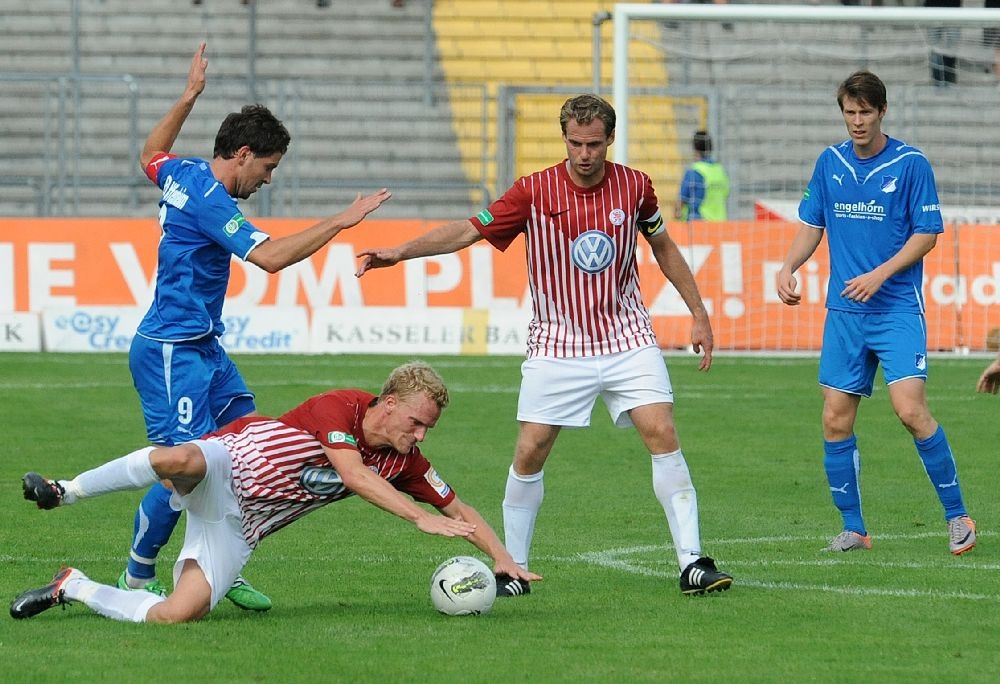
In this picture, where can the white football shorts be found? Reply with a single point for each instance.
(214, 537)
(563, 391)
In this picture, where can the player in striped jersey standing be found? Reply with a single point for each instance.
(875, 198)
(590, 333)
(258, 475)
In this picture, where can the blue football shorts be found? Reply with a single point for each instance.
(855, 344)
(187, 389)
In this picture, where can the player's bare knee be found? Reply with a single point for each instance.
(917, 421)
(178, 462)
(837, 425)
(173, 612)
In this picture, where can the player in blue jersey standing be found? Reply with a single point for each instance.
(187, 384)
(876, 200)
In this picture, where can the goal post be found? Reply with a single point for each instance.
(762, 80)
(625, 13)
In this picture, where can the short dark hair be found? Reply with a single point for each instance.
(865, 87)
(702, 142)
(254, 126)
(585, 108)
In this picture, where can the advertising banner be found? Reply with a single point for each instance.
(258, 330)
(20, 332)
(65, 264)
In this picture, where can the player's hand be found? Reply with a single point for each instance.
(444, 526)
(702, 341)
(514, 570)
(786, 285)
(196, 74)
(380, 257)
(361, 207)
(863, 287)
(989, 381)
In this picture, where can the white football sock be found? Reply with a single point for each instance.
(522, 499)
(132, 471)
(675, 491)
(117, 604)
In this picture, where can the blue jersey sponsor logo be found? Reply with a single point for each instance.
(870, 210)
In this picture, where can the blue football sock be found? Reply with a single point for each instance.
(843, 468)
(154, 522)
(940, 466)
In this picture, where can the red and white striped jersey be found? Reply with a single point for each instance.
(581, 246)
(281, 471)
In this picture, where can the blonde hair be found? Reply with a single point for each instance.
(416, 377)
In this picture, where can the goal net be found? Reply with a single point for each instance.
(762, 80)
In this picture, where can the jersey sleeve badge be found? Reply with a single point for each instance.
(233, 224)
(336, 437)
(436, 483)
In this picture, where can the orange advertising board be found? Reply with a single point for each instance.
(58, 262)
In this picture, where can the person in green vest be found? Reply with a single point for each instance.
(705, 186)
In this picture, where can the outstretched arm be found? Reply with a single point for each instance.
(275, 254)
(486, 540)
(164, 134)
(375, 490)
(445, 239)
(677, 271)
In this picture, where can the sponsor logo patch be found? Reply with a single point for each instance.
(321, 481)
(485, 217)
(593, 251)
(435, 481)
(233, 224)
(341, 438)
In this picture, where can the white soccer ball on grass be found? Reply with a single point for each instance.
(463, 585)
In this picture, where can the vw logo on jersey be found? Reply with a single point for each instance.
(592, 251)
(321, 481)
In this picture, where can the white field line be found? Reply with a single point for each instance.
(626, 559)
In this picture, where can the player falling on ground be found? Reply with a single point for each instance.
(248, 481)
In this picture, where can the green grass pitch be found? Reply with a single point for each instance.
(350, 582)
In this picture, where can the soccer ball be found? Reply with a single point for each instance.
(463, 586)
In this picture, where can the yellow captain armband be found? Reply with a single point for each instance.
(652, 226)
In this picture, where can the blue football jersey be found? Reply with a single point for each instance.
(869, 209)
(203, 228)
